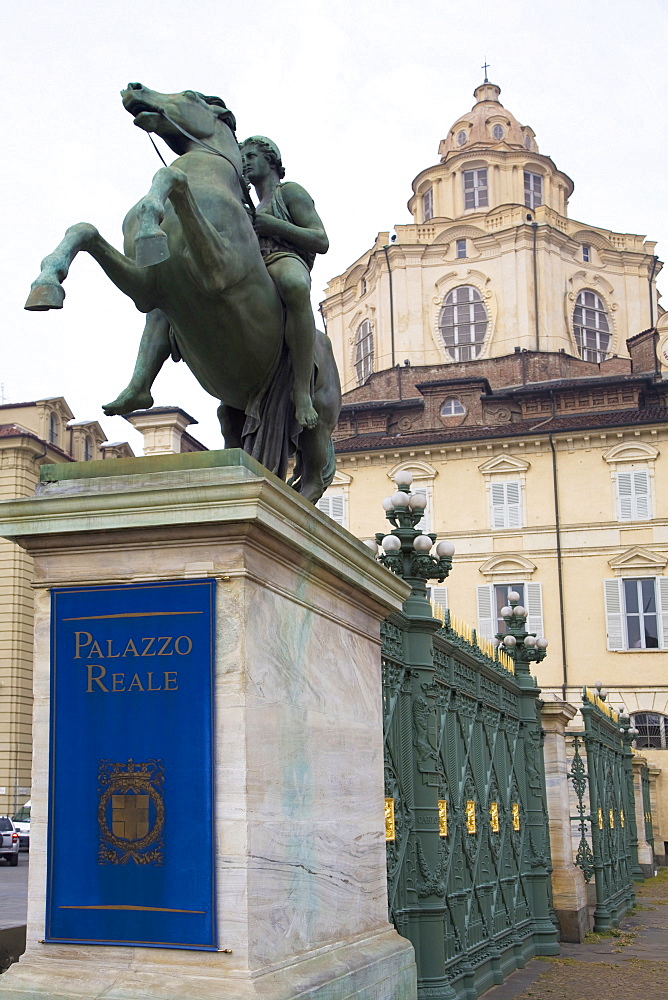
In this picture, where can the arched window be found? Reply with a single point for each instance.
(54, 427)
(452, 407)
(652, 730)
(461, 137)
(591, 327)
(463, 323)
(88, 448)
(364, 351)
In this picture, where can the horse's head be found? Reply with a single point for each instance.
(191, 111)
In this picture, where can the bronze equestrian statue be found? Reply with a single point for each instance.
(193, 264)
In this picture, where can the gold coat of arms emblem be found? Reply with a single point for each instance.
(131, 812)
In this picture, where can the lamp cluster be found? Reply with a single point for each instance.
(406, 550)
(520, 645)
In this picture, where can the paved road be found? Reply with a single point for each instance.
(14, 892)
(631, 964)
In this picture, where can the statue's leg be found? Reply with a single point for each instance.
(316, 458)
(154, 349)
(231, 424)
(47, 291)
(294, 286)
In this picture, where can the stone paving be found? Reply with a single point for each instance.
(629, 964)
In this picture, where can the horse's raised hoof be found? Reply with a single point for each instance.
(151, 249)
(45, 295)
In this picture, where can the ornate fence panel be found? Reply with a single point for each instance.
(608, 842)
(468, 862)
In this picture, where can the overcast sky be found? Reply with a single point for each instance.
(357, 95)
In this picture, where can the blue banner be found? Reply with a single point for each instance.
(130, 842)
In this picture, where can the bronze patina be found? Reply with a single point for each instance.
(192, 263)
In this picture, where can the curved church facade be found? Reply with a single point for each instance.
(515, 361)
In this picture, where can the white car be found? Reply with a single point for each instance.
(22, 826)
(9, 841)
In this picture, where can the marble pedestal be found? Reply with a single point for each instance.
(299, 826)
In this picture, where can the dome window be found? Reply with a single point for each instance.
(475, 188)
(586, 255)
(527, 140)
(498, 132)
(428, 205)
(364, 351)
(461, 137)
(533, 189)
(452, 407)
(88, 448)
(461, 249)
(463, 323)
(591, 327)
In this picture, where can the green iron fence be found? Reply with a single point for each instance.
(468, 855)
(602, 779)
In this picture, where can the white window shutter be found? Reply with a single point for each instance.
(514, 504)
(641, 494)
(486, 609)
(425, 524)
(662, 601)
(334, 506)
(439, 598)
(614, 617)
(497, 496)
(624, 496)
(533, 595)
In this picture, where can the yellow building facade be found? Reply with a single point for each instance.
(515, 361)
(31, 434)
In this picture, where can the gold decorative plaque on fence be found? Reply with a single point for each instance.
(515, 811)
(600, 818)
(494, 816)
(611, 819)
(442, 818)
(621, 818)
(470, 816)
(390, 831)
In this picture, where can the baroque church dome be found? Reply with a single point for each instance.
(487, 124)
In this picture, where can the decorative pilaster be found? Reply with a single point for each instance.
(569, 889)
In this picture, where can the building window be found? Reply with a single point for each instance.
(428, 205)
(461, 249)
(633, 496)
(585, 253)
(335, 506)
(475, 188)
(439, 599)
(88, 448)
(591, 327)
(505, 504)
(492, 597)
(363, 286)
(54, 428)
(452, 407)
(461, 137)
(527, 140)
(636, 612)
(364, 351)
(497, 132)
(463, 323)
(533, 189)
(652, 730)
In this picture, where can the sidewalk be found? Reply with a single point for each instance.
(631, 964)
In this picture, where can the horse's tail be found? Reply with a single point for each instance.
(330, 465)
(295, 480)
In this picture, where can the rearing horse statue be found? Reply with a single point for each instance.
(192, 263)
